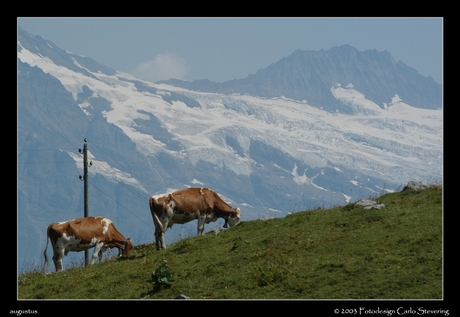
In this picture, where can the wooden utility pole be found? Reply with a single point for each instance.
(85, 181)
(85, 175)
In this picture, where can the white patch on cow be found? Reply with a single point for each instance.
(64, 241)
(168, 191)
(170, 211)
(171, 205)
(105, 222)
(211, 217)
(156, 197)
(201, 191)
(63, 222)
(66, 244)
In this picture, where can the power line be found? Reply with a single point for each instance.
(45, 150)
(114, 200)
(47, 176)
(140, 195)
(49, 162)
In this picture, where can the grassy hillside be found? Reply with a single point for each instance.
(346, 252)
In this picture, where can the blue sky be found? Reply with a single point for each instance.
(221, 49)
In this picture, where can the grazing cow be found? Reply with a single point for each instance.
(82, 234)
(187, 204)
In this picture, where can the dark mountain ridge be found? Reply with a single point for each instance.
(309, 75)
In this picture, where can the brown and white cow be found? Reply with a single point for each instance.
(82, 234)
(188, 204)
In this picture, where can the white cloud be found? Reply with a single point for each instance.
(163, 67)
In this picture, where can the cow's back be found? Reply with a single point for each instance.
(188, 201)
(87, 228)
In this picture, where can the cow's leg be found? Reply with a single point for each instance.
(160, 235)
(201, 223)
(167, 223)
(97, 252)
(160, 229)
(158, 238)
(103, 249)
(57, 257)
(161, 239)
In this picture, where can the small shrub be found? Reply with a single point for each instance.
(162, 276)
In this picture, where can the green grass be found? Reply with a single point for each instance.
(345, 252)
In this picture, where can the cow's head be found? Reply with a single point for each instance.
(127, 247)
(233, 219)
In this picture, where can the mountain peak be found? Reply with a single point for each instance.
(309, 75)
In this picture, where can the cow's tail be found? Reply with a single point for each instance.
(46, 248)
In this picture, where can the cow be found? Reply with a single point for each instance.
(82, 234)
(185, 205)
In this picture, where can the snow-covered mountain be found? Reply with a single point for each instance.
(268, 155)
